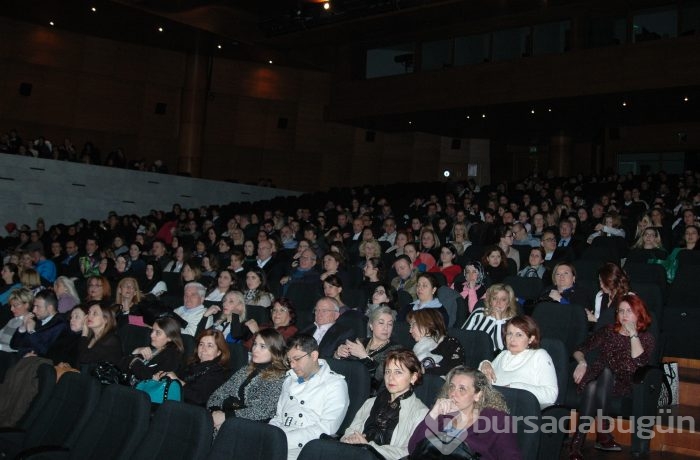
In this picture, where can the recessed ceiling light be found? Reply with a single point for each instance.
(549, 110)
(93, 9)
(327, 6)
(483, 115)
(160, 29)
(270, 61)
(624, 104)
(410, 122)
(532, 111)
(218, 46)
(51, 23)
(685, 99)
(468, 117)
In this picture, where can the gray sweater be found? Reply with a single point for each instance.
(260, 396)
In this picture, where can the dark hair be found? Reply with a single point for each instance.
(378, 263)
(334, 280)
(405, 258)
(261, 276)
(108, 316)
(303, 342)
(430, 320)
(171, 327)
(286, 303)
(278, 348)
(528, 326)
(407, 359)
(432, 279)
(491, 249)
(540, 250)
(49, 298)
(614, 279)
(220, 342)
(15, 271)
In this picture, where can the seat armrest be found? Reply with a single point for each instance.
(44, 453)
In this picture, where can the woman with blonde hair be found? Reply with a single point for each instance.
(499, 306)
(471, 412)
(66, 293)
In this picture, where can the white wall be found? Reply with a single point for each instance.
(63, 192)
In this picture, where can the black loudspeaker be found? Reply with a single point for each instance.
(456, 144)
(282, 123)
(160, 108)
(370, 136)
(25, 89)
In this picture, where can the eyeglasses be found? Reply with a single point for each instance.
(280, 310)
(509, 235)
(289, 361)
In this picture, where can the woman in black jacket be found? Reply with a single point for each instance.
(164, 353)
(206, 370)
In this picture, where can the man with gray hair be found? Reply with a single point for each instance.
(193, 309)
(328, 332)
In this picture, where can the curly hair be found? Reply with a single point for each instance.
(490, 397)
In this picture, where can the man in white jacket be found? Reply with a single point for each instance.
(314, 399)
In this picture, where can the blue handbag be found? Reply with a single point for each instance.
(165, 389)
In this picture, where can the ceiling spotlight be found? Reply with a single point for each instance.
(327, 6)
(532, 111)
(160, 29)
(483, 115)
(51, 23)
(624, 104)
(93, 9)
(685, 99)
(410, 122)
(446, 173)
(468, 117)
(549, 110)
(218, 46)
(270, 61)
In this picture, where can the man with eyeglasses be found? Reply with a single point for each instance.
(553, 254)
(328, 332)
(314, 399)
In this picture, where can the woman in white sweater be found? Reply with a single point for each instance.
(523, 364)
(387, 421)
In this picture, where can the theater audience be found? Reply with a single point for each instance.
(436, 351)
(499, 306)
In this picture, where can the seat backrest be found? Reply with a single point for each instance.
(567, 323)
(401, 335)
(524, 405)
(641, 272)
(359, 383)
(688, 260)
(178, 431)
(324, 449)
(248, 439)
(448, 298)
(46, 376)
(239, 356)
(304, 297)
(525, 288)
(560, 359)
(188, 344)
(684, 289)
(587, 271)
(429, 389)
(680, 331)
(355, 297)
(117, 425)
(477, 346)
(74, 398)
(651, 295)
(133, 337)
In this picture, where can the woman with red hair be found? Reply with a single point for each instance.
(622, 348)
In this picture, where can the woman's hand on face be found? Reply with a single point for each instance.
(218, 417)
(356, 349)
(146, 352)
(443, 406)
(631, 328)
(213, 310)
(487, 370)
